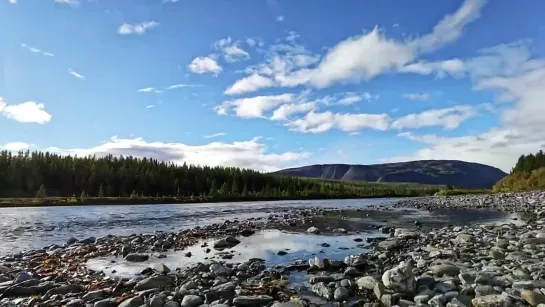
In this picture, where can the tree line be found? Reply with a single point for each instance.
(530, 162)
(43, 174)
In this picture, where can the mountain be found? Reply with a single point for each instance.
(445, 172)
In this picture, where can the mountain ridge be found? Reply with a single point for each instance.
(444, 172)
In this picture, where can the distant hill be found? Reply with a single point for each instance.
(446, 172)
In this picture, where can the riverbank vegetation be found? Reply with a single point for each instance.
(47, 177)
(527, 175)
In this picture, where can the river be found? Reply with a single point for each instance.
(35, 227)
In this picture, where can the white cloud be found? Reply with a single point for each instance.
(202, 65)
(280, 18)
(12, 1)
(253, 107)
(72, 3)
(26, 112)
(137, 28)
(249, 84)
(149, 90)
(214, 135)
(315, 122)
(16, 146)
(175, 86)
(75, 74)
(286, 110)
(36, 50)
(365, 56)
(246, 154)
(351, 98)
(417, 96)
(232, 52)
(449, 118)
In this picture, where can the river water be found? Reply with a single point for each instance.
(36, 227)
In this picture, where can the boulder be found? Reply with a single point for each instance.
(445, 269)
(227, 242)
(153, 282)
(135, 257)
(366, 282)
(400, 279)
(191, 301)
(313, 230)
(494, 300)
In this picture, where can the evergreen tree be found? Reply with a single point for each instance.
(83, 196)
(245, 191)
(213, 188)
(234, 189)
(224, 190)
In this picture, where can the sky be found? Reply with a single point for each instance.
(270, 84)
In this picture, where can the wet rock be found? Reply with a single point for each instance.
(495, 253)
(352, 272)
(156, 301)
(437, 301)
(252, 301)
(282, 253)
(41, 288)
(340, 230)
(366, 282)
(313, 230)
(136, 301)
(532, 297)
(90, 240)
(215, 295)
(22, 276)
(71, 241)
(65, 289)
(484, 290)
(161, 268)
(172, 304)
(494, 300)
(227, 242)
(457, 303)
(134, 257)
(445, 269)
(153, 282)
(388, 244)
(321, 278)
(341, 294)
(400, 279)
(191, 301)
(320, 289)
(219, 270)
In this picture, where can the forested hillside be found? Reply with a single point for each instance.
(22, 175)
(528, 174)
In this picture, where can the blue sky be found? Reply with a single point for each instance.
(272, 84)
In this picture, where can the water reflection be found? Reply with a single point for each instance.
(264, 245)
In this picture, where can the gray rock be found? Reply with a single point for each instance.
(136, 301)
(379, 290)
(219, 270)
(400, 278)
(320, 289)
(445, 269)
(213, 296)
(321, 278)
(75, 303)
(405, 303)
(134, 257)
(352, 272)
(156, 301)
(153, 282)
(161, 268)
(494, 300)
(467, 277)
(388, 244)
(532, 297)
(90, 240)
(484, 290)
(109, 302)
(65, 289)
(172, 304)
(191, 301)
(449, 296)
(456, 303)
(497, 254)
(226, 242)
(93, 295)
(313, 230)
(341, 294)
(423, 298)
(289, 304)
(366, 282)
(190, 285)
(224, 287)
(252, 301)
(387, 300)
(21, 276)
(437, 301)
(444, 287)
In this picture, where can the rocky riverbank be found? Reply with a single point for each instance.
(454, 266)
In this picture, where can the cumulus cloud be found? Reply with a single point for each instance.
(351, 98)
(253, 107)
(315, 122)
(36, 50)
(417, 96)
(202, 65)
(137, 28)
(26, 112)
(286, 110)
(16, 146)
(246, 154)
(249, 84)
(232, 51)
(365, 56)
(449, 118)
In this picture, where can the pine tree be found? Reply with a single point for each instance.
(100, 191)
(245, 191)
(234, 189)
(83, 196)
(41, 195)
(213, 189)
(224, 190)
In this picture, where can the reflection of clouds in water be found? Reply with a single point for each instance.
(264, 245)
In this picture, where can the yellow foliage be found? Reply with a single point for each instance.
(522, 181)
